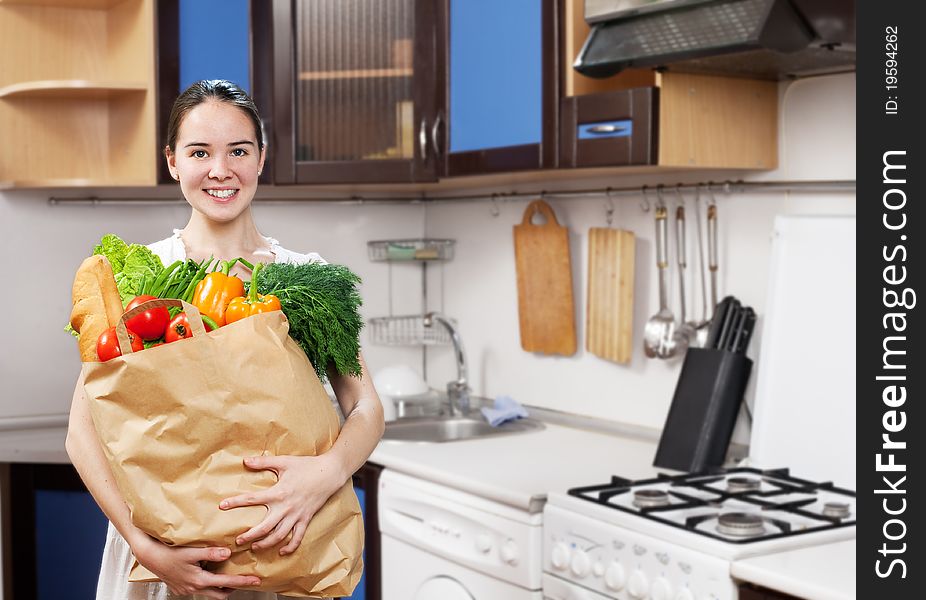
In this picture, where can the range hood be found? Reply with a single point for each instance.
(769, 39)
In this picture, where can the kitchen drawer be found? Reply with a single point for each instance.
(610, 129)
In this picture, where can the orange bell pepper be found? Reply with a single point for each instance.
(253, 303)
(216, 290)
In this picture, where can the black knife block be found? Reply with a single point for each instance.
(707, 399)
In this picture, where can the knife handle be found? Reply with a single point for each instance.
(713, 335)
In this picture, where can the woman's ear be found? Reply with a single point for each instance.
(263, 157)
(171, 163)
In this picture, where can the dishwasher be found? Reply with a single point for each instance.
(440, 543)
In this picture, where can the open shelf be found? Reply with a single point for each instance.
(70, 88)
(92, 4)
(354, 74)
(77, 82)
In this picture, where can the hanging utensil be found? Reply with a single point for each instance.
(703, 328)
(685, 334)
(712, 249)
(659, 332)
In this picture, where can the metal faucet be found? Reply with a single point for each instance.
(458, 390)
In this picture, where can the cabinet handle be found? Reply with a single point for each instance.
(423, 139)
(605, 129)
(434, 132)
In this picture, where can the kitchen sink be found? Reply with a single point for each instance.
(454, 428)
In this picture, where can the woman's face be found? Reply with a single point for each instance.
(217, 159)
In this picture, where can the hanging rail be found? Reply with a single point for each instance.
(831, 186)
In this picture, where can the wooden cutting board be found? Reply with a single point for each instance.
(545, 307)
(609, 318)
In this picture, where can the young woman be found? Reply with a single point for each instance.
(215, 151)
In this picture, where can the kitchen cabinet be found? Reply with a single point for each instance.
(53, 532)
(503, 86)
(349, 90)
(669, 120)
(366, 486)
(77, 93)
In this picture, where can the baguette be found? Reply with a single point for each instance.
(97, 305)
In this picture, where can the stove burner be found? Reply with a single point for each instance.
(740, 524)
(650, 498)
(836, 509)
(743, 484)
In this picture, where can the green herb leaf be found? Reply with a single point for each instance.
(321, 302)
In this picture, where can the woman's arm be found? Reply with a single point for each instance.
(178, 567)
(306, 482)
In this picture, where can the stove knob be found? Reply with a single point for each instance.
(684, 594)
(560, 556)
(510, 553)
(483, 543)
(580, 564)
(638, 586)
(615, 578)
(662, 590)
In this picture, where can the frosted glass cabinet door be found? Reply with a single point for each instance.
(353, 88)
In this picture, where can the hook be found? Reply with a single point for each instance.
(678, 193)
(494, 211)
(645, 204)
(609, 208)
(710, 192)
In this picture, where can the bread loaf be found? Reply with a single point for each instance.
(96, 304)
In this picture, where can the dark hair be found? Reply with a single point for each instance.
(219, 90)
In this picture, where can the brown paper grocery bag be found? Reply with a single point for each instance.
(177, 420)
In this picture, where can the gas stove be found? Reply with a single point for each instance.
(673, 537)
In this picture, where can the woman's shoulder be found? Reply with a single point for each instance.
(284, 255)
(169, 249)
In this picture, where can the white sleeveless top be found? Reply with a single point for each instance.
(172, 249)
(113, 583)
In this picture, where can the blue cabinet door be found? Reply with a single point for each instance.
(70, 532)
(496, 95)
(214, 41)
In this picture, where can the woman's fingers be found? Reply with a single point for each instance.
(298, 534)
(260, 530)
(277, 535)
(249, 499)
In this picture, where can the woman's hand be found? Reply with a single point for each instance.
(179, 567)
(304, 485)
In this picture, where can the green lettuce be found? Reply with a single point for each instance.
(133, 264)
(141, 265)
(114, 249)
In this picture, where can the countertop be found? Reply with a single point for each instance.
(520, 469)
(817, 573)
(40, 445)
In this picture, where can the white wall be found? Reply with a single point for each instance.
(43, 244)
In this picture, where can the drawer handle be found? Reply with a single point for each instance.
(605, 129)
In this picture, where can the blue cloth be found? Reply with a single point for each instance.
(506, 409)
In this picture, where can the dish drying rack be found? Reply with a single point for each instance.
(409, 330)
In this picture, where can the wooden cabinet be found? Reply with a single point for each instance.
(672, 120)
(77, 93)
(502, 86)
(349, 90)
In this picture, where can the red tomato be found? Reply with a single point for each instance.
(179, 328)
(107, 345)
(152, 323)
